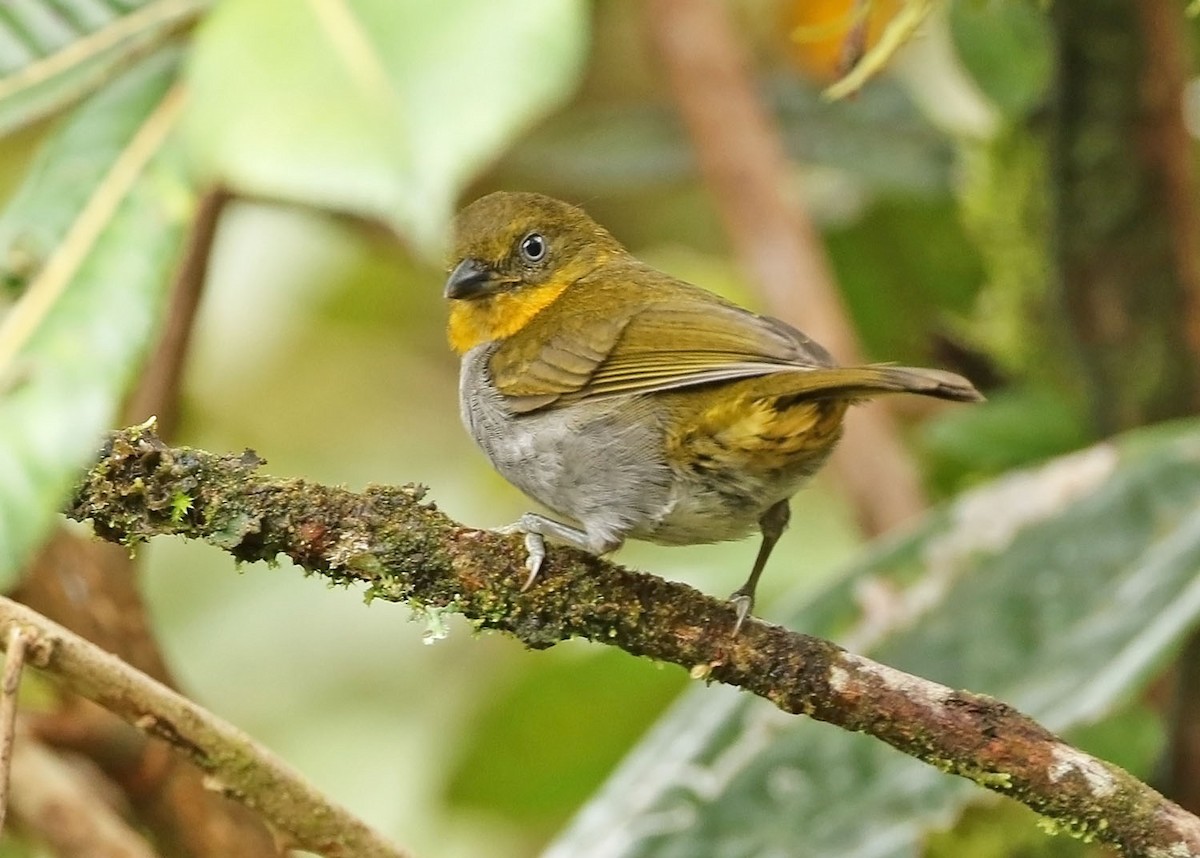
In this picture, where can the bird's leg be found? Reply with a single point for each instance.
(773, 523)
(537, 527)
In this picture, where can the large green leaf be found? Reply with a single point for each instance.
(1057, 590)
(55, 53)
(97, 224)
(73, 162)
(384, 108)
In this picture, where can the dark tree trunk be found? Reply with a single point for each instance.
(1125, 216)
(1127, 247)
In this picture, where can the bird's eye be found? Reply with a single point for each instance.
(533, 247)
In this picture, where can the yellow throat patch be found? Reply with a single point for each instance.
(499, 316)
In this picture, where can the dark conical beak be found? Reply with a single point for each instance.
(468, 279)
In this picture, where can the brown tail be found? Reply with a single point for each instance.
(863, 382)
(927, 382)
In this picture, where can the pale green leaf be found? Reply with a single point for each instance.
(54, 53)
(384, 108)
(1058, 590)
(72, 162)
(106, 204)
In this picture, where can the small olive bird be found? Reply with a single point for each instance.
(634, 404)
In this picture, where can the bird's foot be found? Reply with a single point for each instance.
(535, 551)
(743, 604)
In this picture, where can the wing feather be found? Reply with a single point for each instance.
(668, 335)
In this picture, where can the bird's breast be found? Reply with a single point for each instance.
(598, 463)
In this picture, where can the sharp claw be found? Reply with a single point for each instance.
(536, 547)
(743, 603)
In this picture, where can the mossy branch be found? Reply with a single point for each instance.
(403, 549)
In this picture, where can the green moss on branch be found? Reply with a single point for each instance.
(404, 549)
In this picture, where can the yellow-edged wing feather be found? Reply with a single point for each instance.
(628, 329)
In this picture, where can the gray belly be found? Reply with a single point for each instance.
(597, 463)
(600, 464)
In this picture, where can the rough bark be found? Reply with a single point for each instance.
(404, 549)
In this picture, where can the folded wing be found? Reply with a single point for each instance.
(677, 336)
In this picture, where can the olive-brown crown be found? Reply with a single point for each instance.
(530, 239)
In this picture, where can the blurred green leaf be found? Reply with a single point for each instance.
(534, 758)
(106, 204)
(1007, 49)
(1014, 427)
(903, 267)
(1005, 210)
(1005, 830)
(381, 108)
(1057, 590)
(52, 54)
(19, 846)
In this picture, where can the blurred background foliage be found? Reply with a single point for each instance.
(347, 131)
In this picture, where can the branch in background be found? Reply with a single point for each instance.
(10, 684)
(62, 806)
(405, 549)
(743, 163)
(166, 791)
(237, 766)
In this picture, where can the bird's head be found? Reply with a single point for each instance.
(514, 255)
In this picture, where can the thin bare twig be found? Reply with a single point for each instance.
(743, 162)
(405, 549)
(10, 685)
(238, 767)
(158, 392)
